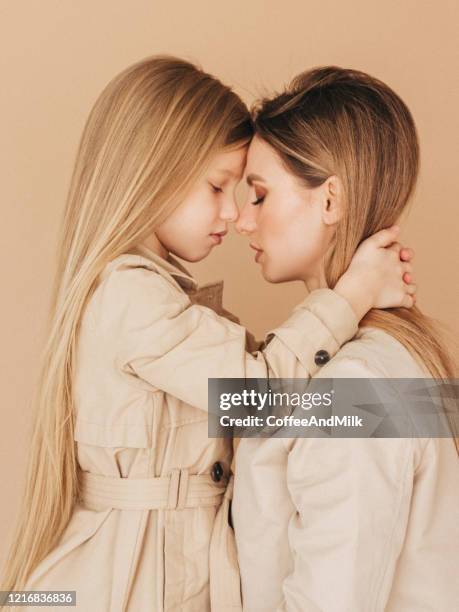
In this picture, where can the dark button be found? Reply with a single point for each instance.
(217, 472)
(321, 357)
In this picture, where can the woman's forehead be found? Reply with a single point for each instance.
(262, 159)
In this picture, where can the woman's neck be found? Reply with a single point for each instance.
(316, 279)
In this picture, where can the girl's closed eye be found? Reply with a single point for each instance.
(216, 188)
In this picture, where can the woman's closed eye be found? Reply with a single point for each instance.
(258, 200)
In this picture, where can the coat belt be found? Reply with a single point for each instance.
(178, 490)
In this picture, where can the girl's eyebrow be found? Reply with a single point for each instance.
(251, 178)
(227, 172)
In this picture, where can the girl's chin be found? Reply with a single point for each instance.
(194, 257)
(198, 258)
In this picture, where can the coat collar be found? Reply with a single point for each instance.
(209, 294)
(168, 267)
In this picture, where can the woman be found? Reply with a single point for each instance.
(343, 524)
(126, 498)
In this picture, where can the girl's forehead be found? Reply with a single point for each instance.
(230, 163)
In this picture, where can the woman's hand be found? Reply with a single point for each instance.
(380, 274)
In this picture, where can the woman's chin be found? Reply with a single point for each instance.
(270, 275)
(273, 275)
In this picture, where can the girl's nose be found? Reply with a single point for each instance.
(229, 212)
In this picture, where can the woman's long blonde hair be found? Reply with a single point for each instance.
(149, 137)
(341, 122)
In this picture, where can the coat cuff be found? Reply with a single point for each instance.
(321, 323)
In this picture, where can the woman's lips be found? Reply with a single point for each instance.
(259, 252)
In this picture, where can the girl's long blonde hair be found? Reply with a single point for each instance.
(341, 122)
(149, 137)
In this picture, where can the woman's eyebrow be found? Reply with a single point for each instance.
(251, 178)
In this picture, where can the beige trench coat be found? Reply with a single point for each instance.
(150, 532)
(349, 525)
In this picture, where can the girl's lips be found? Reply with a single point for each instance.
(216, 238)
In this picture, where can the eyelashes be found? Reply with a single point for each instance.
(258, 201)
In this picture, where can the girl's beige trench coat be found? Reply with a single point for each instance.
(151, 530)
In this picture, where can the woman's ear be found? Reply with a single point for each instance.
(332, 206)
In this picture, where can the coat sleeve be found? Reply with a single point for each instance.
(351, 500)
(160, 337)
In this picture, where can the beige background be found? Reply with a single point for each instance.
(56, 57)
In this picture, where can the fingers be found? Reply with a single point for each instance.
(386, 237)
(408, 301)
(407, 267)
(396, 247)
(409, 298)
(406, 254)
(408, 276)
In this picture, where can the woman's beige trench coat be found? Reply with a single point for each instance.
(150, 532)
(350, 524)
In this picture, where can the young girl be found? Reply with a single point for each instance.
(124, 490)
(343, 524)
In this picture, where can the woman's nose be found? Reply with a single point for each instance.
(246, 223)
